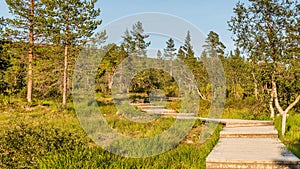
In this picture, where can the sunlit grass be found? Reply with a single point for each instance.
(22, 121)
(292, 135)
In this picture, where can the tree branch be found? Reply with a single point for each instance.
(293, 104)
(201, 95)
(279, 108)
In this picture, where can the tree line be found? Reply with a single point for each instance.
(39, 31)
(40, 44)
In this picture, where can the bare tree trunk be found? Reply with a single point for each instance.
(139, 49)
(255, 86)
(271, 101)
(171, 64)
(178, 96)
(275, 95)
(109, 82)
(279, 108)
(64, 101)
(30, 53)
(283, 123)
(272, 108)
(121, 74)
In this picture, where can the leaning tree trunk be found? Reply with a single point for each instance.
(30, 53)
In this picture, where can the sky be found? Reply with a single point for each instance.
(205, 15)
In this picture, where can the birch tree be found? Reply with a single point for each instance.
(265, 30)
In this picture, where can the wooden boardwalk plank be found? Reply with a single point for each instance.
(251, 147)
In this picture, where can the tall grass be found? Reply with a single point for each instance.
(182, 156)
(292, 135)
(42, 135)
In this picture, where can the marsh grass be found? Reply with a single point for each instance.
(42, 135)
(182, 156)
(292, 135)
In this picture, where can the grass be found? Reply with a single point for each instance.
(42, 135)
(234, 109)
(292, 135)
(182, 156)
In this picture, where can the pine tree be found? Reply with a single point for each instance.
(186, 54)
(2, 24)
(128, 43)
(169, 52)
(213, 46)
(159, 58)
(139, 39)
(5, 64)
(27, 26)
(72, 22)
(159, 55)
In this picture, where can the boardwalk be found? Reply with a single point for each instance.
(254, 146)
(245, 144)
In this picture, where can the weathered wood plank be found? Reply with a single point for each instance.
(251, 147)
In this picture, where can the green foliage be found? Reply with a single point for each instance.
(187, 55)
(18, 28)
(138, 38)
(292, 135)
(238, 76)
(45, 138)
(213, 46)
(80, 16)
(183, 156)
(14, 76)
(5, 63)
(186, 51)
(22, 143)
(262, 28)
(169, 50)
(48, 29)
(2, 24)
(265, 31)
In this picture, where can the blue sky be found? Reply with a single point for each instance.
(206, 15)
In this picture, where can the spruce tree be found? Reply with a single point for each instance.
(186, 51)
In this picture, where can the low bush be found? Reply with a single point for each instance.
(22, 143)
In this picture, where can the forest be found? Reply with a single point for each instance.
(39, 48)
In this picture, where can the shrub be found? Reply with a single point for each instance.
(22, 143)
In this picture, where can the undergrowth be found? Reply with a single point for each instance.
(42, 135)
